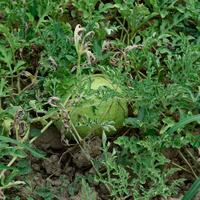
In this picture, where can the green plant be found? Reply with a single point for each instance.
(98, 107)
(193, 190)
(87, 192)
(136, 169)
(150, 49)
(16, 151)
(98, 104)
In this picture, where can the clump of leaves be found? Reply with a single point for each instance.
(136, 169)
(151, 46)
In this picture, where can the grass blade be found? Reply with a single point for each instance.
(192, 191)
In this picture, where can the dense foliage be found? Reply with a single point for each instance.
(151, 48)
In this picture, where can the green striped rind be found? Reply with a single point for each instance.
(92, 113)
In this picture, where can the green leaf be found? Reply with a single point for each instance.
(183, 122)
(34, 152)
(2, 167)
(192, 191)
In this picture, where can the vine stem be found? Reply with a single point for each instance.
(8, 165)
(188, 164)
(79, 64)
(9, 185)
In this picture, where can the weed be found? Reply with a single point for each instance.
(150, 48)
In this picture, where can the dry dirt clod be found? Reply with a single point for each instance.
(55, 182)
(92, 149)
(35, 167)
(51, 138)
(37, 180)
(103, 192)
(81, 161)
(95, 147)
(69, 171)
(52, 166)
